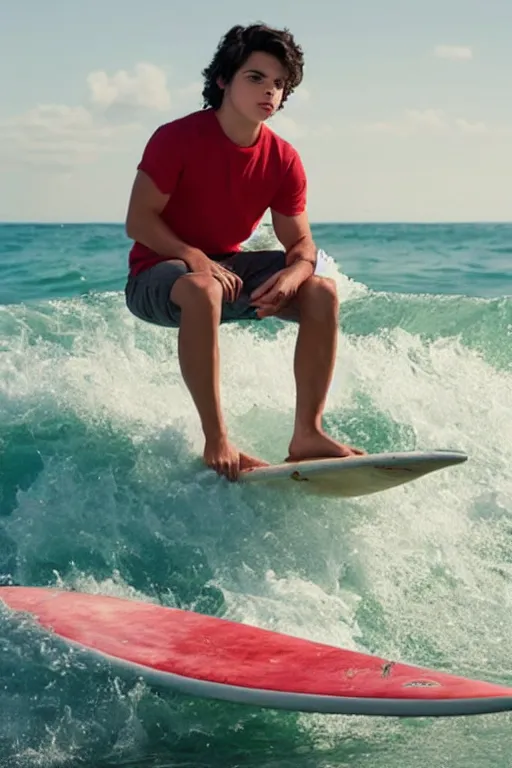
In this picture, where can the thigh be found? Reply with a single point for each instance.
(148, 293)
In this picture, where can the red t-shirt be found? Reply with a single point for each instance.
(218, 190)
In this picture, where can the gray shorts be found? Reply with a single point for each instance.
(148, 293)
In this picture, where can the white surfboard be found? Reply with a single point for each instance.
(356, 475)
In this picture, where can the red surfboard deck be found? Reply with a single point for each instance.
(213, 657)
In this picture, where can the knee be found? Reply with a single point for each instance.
(319, 296)
(197, 290)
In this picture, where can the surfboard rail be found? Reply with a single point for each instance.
(356, 475)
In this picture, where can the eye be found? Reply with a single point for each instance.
(255, 78)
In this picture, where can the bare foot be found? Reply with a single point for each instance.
(221, 456)
(318, 445)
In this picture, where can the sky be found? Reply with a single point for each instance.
(404, 113)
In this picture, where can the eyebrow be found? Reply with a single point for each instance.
(260, 73)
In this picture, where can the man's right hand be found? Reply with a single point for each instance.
(220, 455)
(230, 282)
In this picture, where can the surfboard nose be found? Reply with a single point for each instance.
(451, 457)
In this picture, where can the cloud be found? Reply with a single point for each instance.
(192, 89)
(301, 95)
(430, 121)
(291, 130)
(286, 127)
(467, 127)
(146, 88)
(61, 136)
(57, 134)
(188, 97)
(454, 52)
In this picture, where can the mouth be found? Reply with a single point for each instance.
(266, 106)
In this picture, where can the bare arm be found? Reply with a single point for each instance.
(294, 233)
(144, 224)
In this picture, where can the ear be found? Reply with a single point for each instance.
(220, 82)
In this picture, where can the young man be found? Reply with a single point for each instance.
(202, 186)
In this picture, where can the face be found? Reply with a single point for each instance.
(257, 88)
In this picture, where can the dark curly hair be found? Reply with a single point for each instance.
(235, 48)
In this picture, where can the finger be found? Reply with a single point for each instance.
(233, 287)
(227, 288)
(276, 297)
(220, 468)
(273, 291)
(265, 287)
(220, 280)
(260, 295)
(239, 286)
(235, 469)
(232, 281)
(229, 470)
(262, 313)
(266, 310)
(273, 297)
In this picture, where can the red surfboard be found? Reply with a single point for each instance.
(216, 658)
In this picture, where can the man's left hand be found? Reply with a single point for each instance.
(276, 292)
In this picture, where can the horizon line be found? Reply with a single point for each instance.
(347, 222)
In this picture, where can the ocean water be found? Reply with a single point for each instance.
(102, 490)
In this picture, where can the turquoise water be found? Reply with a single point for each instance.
(102, 490)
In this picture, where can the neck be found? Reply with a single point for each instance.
(236, 127)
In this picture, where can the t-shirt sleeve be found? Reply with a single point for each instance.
(291, 197)
(162, 159)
